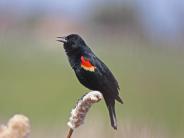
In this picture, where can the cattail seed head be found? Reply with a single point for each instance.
(17, 127)
(82, 107)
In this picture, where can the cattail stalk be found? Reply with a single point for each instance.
(70, 133)
(78, 114)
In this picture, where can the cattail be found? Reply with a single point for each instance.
(17, 127)
(82, 107)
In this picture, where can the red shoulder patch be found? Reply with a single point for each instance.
(86, 64)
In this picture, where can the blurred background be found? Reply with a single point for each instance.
(141, 41)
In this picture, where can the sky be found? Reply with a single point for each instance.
(160, 18)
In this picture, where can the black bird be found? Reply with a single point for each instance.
(92, 72)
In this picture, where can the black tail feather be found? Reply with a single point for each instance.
(112, 115)
(119, 99)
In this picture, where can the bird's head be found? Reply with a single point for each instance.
(72, 42)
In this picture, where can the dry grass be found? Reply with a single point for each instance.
(96, 129)
(19, 127)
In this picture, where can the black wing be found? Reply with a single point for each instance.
(103, 80)
(107, 79)
(110, 89)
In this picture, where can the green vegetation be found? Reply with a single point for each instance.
(36, 80)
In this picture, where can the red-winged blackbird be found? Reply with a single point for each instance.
(92, 72)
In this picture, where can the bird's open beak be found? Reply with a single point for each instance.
(62, 39)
